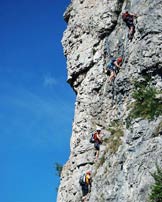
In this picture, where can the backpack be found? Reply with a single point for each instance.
(82, 179)
(93, 138)
(111, 63)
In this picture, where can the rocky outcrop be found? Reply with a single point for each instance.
(94, 34)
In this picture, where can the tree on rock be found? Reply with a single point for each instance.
(156, 189)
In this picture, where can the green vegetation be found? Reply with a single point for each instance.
(114, 141)
(101, 161)
(156, 189)
(58, 168)
(146, 105)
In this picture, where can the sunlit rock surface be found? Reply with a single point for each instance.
(94, 34)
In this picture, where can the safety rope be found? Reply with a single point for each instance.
(125, 49)
(107, 47)
(113, 92)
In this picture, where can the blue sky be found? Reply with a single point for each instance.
(36, 103)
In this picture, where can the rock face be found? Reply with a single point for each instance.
(94, 34)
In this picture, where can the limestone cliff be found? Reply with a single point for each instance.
(132, 144)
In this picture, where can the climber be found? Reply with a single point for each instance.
(97, 141)
(128, 18)
(113, 66)
(86, 183)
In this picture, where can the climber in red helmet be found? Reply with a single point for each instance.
(97, 141)
(113, 65)
(128, 18)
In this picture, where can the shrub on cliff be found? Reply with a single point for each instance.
(114, 141)
(58, 168)
(156, 189)
(146, 104)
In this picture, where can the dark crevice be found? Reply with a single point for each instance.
(120, 5)
(153, 71)
(107, 51)
(85, 150)
(102, 34)
(67, 13)
(84, 164)
(106, 32)
(148, 33)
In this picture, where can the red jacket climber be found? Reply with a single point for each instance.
(128, 18)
